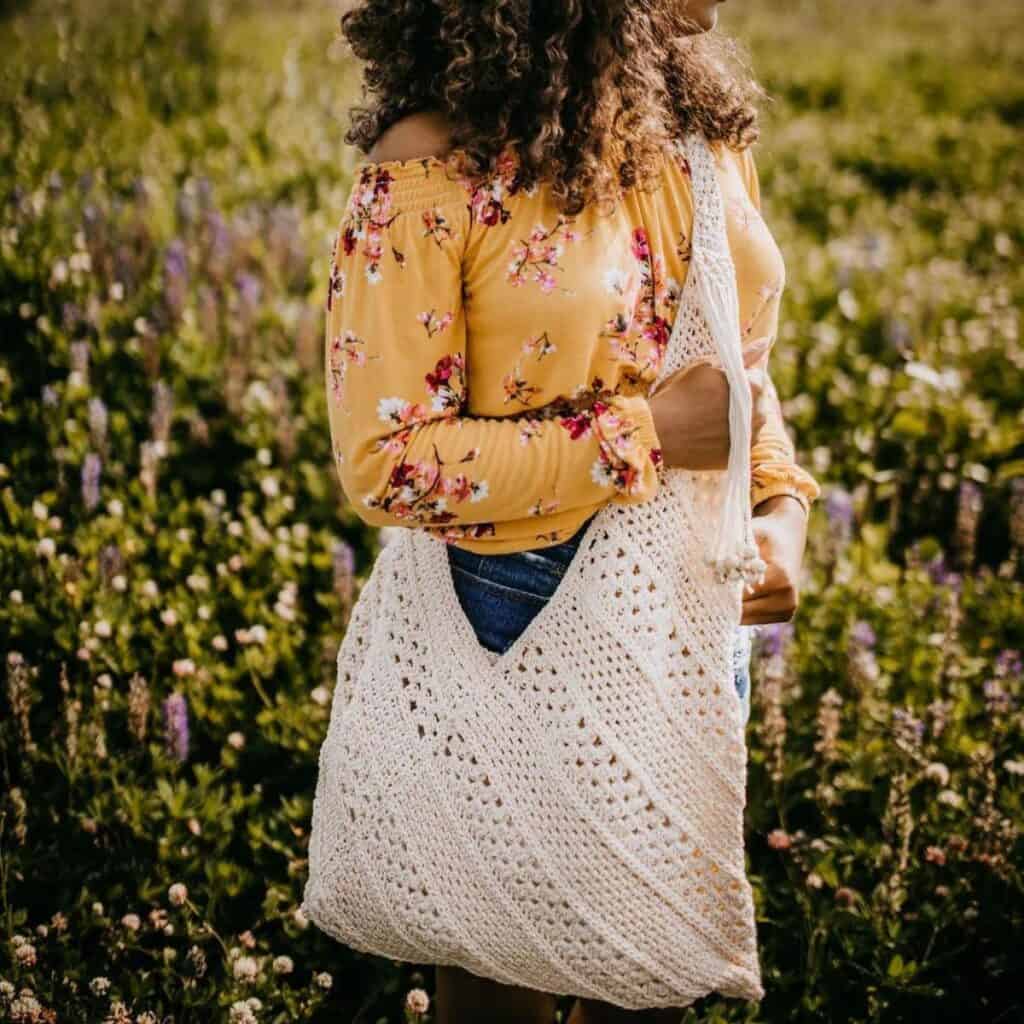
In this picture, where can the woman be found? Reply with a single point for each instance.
(502, 287)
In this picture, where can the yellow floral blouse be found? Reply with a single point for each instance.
(488, 358)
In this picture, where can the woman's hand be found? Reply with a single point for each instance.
(691, 413)
(780, 529)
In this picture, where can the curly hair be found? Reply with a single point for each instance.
(587, 93)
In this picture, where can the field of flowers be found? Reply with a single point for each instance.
(177, 562)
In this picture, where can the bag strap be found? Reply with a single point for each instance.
(734, 554)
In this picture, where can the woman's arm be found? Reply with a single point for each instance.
(774, 469)
(407, 452)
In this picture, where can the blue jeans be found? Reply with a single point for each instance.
(500, 595)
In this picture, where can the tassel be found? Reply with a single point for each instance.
(734, 554)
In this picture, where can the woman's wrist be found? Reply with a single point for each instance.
(787, 504)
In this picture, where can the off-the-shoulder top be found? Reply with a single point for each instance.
(488, 359)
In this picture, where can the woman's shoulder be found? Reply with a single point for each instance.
(413, 168)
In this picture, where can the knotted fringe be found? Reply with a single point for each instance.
(734, 553)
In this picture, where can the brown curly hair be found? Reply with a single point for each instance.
(587, 93)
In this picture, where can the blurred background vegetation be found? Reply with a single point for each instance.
(177, 561)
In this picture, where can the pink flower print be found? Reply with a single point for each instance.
(536, 258)
(517, 389)
(447, 383)
(641, 247)
(540, 346)
(578, 425)
(436, 226)
(528, 429)
(344, 350)
(335, 284)
(434, 324)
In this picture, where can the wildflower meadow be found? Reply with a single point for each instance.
(178, 562)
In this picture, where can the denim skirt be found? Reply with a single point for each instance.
(500, 595)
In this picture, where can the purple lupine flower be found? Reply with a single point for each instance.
(773, 637)
(80, 358)
(163, 408)
(1008, 663)
(218, 254)
(204, 191)
(111, 562)
(70, 315)
(343, 559)
(175, 276)
(997, 698)
(839, 510)
(897, 333)
(91, 480)
(249, 290)
(98, 421)
(968, 515)
(1017, 511)
(863, 635)
(908, 731)
(185, 206)
(175, 715)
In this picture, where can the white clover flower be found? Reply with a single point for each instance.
(169, 617)
(197, 581)
(184, 667)
(236, 563)
(204, 612)
(323, 980)
(258, 634)
(184, 534)
(235, 528)
(1014, 767)
(105, 681)
(99, 986)
(950, 798)
(116, 291)
(284, 611)
(115, 507)
(6, 989)
(150, 589)
(246, 968)
(218, 497)
(937, 772)
(300, 531)
(39, 510)
(236, 740)
(102, 628)
(220, 642)
(25, 954)
(97, 908)
(263, 457)
(417, 1001)
(269, 486)
(177, 894)
(119, 583)
(55, 523)
(132, 922)
(321, 695)
(300, 919)
(16, 597)
(240, 1013)
(283, 965)
(47, 547)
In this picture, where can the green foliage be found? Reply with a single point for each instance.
(178, 563)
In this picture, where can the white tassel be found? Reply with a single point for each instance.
(734, 553)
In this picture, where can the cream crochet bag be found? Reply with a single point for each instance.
(568, 815)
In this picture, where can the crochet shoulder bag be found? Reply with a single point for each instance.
(568, 815)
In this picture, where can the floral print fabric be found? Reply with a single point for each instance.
(488, 358)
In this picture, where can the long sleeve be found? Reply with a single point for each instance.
(774, 469)
(407, 451)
